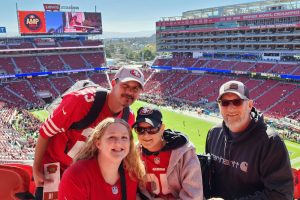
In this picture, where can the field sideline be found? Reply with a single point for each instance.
(196, 129)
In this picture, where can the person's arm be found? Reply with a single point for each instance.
(59, 121)
(276, 172)
(40, 149)
(191, 178)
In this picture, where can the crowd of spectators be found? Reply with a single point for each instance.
(18, 133)
(286, 130)
(27, 125)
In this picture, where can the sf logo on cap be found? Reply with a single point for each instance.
(135, 73)
(146, 111)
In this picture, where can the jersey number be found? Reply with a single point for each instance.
(155, 183)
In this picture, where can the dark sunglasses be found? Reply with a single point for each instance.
(235, 102)
(149, 130)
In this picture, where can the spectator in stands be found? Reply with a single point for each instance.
(58, 142)
(172, 167)
(250, 160)
(108, 157)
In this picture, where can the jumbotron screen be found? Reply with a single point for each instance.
(40, 22)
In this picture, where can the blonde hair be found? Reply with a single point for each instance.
(132, 162)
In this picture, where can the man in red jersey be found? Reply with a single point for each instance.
(58, 143)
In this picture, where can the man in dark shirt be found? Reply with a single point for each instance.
(250, 160)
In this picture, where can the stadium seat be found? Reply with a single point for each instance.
(28, 170)
(14, 183)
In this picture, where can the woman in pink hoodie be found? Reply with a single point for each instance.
(172, 167)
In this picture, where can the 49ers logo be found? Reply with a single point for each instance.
(32, 22)
(146, 111)
(51, 169)
(135, 73)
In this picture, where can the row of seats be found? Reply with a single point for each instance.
(44, 44)
(260, 67)
(269, 95)
(51, 62)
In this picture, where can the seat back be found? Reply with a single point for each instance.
(28, 169)
(23, 183)
(10, 184)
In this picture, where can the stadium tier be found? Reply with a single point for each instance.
(258, 30)
(257, 43)
(39, 54)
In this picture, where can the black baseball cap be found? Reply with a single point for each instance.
(149, 115)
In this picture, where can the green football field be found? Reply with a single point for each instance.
(196, 129)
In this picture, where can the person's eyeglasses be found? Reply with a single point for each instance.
(235, 102)
(149, 130)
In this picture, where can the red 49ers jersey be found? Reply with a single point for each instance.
(156, 168)
(64, 143)
(84, 180)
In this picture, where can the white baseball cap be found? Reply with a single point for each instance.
(128, 73)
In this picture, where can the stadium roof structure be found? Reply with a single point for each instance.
(237, 9)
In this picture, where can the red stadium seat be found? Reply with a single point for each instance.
(16, 182)
(28, 170)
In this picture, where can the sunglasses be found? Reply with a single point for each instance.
(149, 130)
(235, 102)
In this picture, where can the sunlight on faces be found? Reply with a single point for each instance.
(115, 143)
(151, 142)
(127, 92)
(236, 118)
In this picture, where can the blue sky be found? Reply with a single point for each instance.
(117, 15)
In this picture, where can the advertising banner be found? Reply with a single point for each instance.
(266, 15)
(32, 22)
(52, 7)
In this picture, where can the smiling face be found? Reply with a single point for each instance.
(114, 145)
(236, 118)
(151, 142)
(126, 92)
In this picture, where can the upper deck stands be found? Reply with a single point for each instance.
(7, 66)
